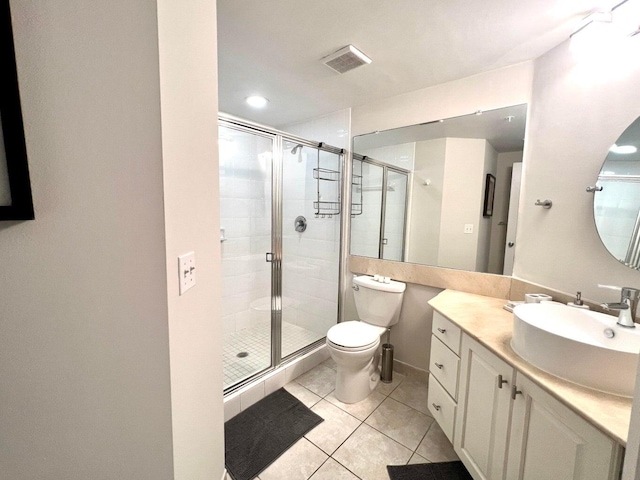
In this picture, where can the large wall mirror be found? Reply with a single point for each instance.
(616, 203)
(443, 193)
(15, 188)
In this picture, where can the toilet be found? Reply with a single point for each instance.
(355, 345)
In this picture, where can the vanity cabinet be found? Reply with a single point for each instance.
(548, 441)
(444, 367)
(482, 427)
(507, 427)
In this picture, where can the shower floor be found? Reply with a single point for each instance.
(248, 351)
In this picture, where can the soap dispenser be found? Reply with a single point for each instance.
(578, 302)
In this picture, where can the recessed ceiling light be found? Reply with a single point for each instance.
(623, 149)
(257, 101)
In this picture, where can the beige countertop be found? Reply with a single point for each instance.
(484, 319)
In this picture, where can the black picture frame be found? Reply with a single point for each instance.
(489, 194)
(21, 207)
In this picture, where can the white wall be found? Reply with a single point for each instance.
(84, 340)
(112, 375)
(426, 202)
(579, 108)
(188, 93)
(411, 336)
(484, 223)
(485, 91)
(462, 197)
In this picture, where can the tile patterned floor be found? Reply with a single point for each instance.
(356, 442)
(256, 342)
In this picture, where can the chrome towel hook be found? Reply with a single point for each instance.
(544, 203)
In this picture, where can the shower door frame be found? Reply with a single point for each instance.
(383, 207)
(276, 253)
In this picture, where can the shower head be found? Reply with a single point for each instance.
(294, 150)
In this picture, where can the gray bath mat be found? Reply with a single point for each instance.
(429, 471)
(257, 436)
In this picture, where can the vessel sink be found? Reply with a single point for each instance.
(581, 346)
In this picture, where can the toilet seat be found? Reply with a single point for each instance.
(354, 336)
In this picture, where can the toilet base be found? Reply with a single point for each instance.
(356, 384)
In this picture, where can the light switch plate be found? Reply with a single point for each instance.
(187, 271)
(468, 228)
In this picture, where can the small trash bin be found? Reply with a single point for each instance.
(386, 374)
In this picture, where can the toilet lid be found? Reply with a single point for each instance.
(354, 334)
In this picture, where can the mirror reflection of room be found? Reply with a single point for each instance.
(462, 191)
(617, 198)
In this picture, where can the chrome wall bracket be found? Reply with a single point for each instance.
(543, 203)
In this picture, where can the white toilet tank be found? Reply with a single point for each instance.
(378, 303)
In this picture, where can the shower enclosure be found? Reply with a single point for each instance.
(380, 200)
(280, 242)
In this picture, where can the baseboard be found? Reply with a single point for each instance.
(409, 370)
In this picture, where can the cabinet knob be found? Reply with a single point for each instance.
(439, 365)
(437, 407)
(442, 330)
(501, 381)
(514, 392)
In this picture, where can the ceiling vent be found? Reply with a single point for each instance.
(345, 59)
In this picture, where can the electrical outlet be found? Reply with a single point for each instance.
(187, 271)
(468, 228)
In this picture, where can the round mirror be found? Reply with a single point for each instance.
(616, 204)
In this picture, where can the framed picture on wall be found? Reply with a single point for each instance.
(489, 193)
(16, 202)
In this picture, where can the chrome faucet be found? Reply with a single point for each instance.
(628, 305)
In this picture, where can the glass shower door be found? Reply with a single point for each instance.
(366, 222)
(245, 235)
(310, 244)
(395, 207)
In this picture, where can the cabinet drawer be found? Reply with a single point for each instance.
(447, 332)
(445, 366)
(442, 407)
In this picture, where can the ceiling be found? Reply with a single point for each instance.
(275, 48)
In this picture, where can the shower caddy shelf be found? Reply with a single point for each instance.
(356, 207)
(326, 208)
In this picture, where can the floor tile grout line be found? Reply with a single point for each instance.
(345, 467)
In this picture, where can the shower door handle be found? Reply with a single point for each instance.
(268, 257)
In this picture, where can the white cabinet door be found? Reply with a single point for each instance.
(549, 442)
(482, 424)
